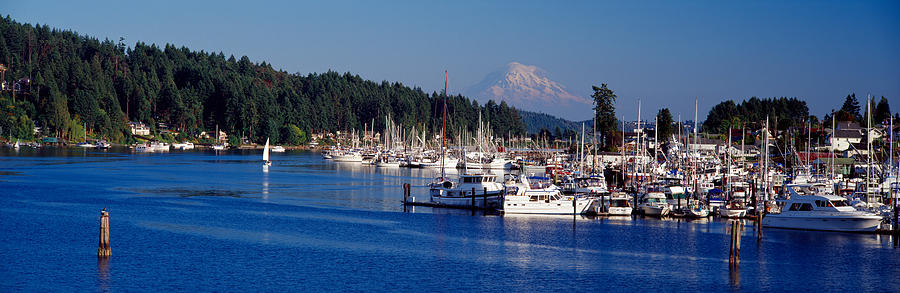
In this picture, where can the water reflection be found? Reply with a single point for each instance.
(103, 274)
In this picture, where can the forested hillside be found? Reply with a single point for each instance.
(78, 80)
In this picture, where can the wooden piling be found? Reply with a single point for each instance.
(473, 197)
(731, 247)
(484, 199)
(103, 247)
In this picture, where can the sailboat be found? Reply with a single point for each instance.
(265, 158)
(85, 143)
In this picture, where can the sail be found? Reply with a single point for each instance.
(266, 151)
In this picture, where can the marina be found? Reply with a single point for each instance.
(484, 146)
(215, 222)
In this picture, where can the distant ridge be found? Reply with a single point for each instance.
(534, 122)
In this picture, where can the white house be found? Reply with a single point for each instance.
(139, 128)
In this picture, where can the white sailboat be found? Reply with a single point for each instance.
(265, 158)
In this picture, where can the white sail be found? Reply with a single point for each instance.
(266, 151)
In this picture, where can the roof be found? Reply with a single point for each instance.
(847, 133)
(837, 161)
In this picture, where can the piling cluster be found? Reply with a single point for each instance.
(103, 248)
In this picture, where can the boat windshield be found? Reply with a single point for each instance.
(804, 190)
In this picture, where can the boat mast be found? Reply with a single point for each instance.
(694, 165)
(444, 127)
(581, 159)
(868, 148)
(831, 150)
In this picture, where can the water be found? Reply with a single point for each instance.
(198, 221)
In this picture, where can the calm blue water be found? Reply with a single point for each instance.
(198, 221)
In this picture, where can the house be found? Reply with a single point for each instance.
(705, 144)
(139, 128)
(841, 139)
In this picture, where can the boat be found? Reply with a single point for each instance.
(484, 188)
(183, 146)
(219, 147)
(157, 146)
(655, 204)
(733, 209)
(142, 148)
(592, 185)
(349, 156)
(278, 149)
(387, 161)
(537, 195)
(824, 212)
(695, 210)
(615, 204)
(103, 145)
(85, 144)
(265, 157)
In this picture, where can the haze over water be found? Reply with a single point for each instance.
(201, 221)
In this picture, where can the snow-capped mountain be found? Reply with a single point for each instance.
(528, 88)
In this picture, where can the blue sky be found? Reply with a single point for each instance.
(667, 53)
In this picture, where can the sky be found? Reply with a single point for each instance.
(665, 53)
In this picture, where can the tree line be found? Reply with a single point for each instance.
(77, 81)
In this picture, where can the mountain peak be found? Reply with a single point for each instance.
(526, 87)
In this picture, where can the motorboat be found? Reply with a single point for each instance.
(103, 145)
(278, 149)
(348, 156)
(654, 204)
(142, 148)
(183, 146)
(157, 146)
(805, 210)
(615, 204)
(480, 190)
(387, 161)
(537, 195)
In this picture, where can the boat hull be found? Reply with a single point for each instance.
(732, 213)
(560, 207)
(842, 224)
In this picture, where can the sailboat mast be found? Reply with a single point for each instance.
(868, 148)
(444, 127)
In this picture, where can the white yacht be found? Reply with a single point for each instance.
(157, 146)
(142, 148)
(278, 149)
(461, 193)
(536, 195)
(654, 204)
(616, 204)
(594, 184)
(809, 211)
(349, 156)
(183, 146)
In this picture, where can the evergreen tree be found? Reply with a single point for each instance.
(882, 111)
(850, 110)
(605, 113)
(665, 124)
